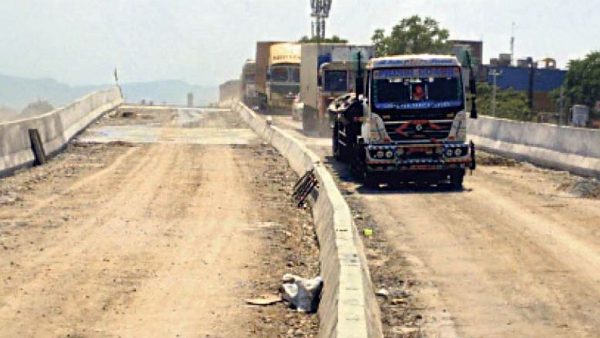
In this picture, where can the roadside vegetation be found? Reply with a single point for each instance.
(413, 35)
(333, 39)
(33, 109)
(510, 104)
(582, 85)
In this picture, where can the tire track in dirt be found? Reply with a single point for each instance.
(155, 240)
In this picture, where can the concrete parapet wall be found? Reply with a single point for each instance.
(558, 147)
(348, 306)
(56, 128)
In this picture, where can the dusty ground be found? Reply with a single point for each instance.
(516, 254)
(153, 240)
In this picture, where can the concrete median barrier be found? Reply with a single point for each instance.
(558, 147)
(348, 306)
(56, 128)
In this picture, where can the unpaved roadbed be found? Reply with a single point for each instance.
(516, 254)
(159, 239)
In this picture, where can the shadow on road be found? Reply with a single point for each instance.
(342, 171)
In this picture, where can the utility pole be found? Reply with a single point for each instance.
(494, 74)
(512, 45)
(532, 67)
(116, 75)
(561, 111)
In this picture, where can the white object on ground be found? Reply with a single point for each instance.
(304, 294)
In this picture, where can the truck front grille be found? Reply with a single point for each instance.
(426, 130)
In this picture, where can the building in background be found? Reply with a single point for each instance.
(190, 100)
(546, 78)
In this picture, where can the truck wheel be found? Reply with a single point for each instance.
(358, 167)
(370, 181)
(344, 153)
(456, 180)
(357, 170)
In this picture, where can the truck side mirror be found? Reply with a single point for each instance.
(473, 88)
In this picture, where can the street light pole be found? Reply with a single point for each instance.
(494, 74)
(561, 112)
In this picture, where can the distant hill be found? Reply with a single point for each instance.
(17, 92)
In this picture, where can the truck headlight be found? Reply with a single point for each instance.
(449, 152)
(389, 154)
(458, 152)
(380, 154)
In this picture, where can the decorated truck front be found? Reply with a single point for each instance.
(413, 122)
(283, 80)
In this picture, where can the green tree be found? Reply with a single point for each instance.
(333, 39)
(412, 35)
(510, 104)
(582, 84)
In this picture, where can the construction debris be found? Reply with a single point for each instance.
(302, 294)
(304, 187)
(264, 300)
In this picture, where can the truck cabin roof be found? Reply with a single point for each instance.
(409, 61)
(337, 65)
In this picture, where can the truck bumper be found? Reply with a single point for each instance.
(393, 158)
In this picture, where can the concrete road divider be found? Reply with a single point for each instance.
(348, 306)
(559, 147)
(56, 128)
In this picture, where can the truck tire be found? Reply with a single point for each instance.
(345, 153)
(357, 167)
(370, 181)
(456, 180)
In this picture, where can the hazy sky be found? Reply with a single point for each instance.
(206, 42)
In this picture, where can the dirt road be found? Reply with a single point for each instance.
(514, 255)
(161, 238)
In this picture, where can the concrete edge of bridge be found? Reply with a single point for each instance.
(546, 158)
(56, 129)
(349, 308)
(551, 146)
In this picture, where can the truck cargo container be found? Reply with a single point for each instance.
(319, 63)
(277, 74)
(263, 50)
(283, 77)
(248, 84)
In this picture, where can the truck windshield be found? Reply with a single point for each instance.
(296, 74)
(335, 81)
(279, 74)
(417, 88)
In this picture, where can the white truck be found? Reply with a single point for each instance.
(409, 123)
